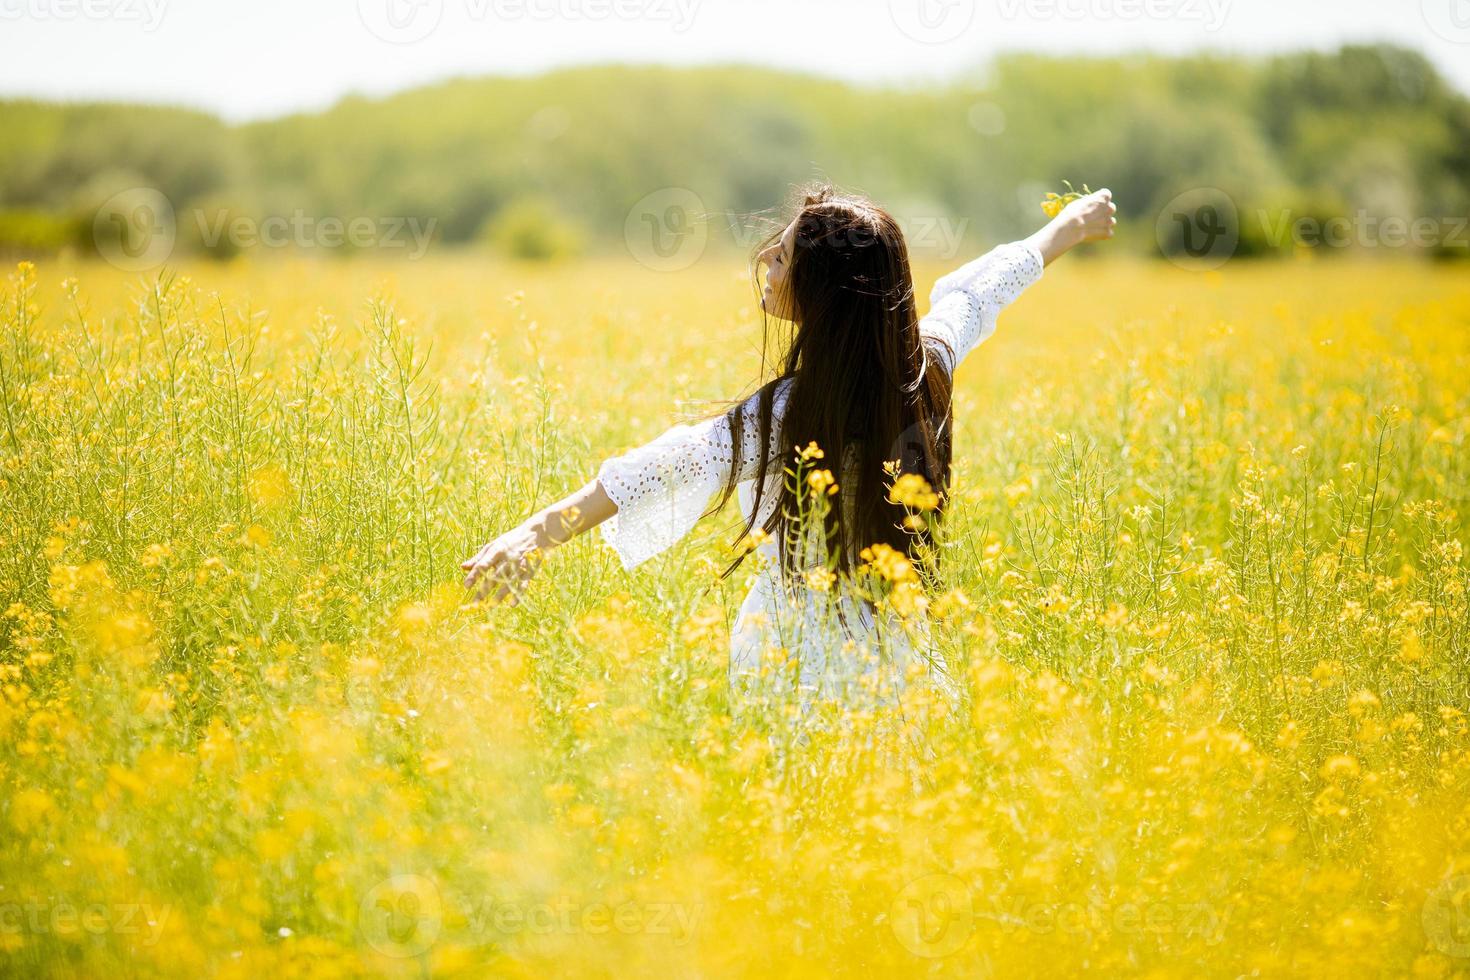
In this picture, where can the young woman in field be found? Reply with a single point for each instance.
(865, 379)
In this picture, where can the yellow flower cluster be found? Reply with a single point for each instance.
(912, 490)
(1053, 203)
(821, 483)
(890, 564)
(820, 579)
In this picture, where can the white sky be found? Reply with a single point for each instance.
(253, 58)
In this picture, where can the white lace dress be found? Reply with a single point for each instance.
(662, 488)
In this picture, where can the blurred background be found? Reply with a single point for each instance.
(141, 131)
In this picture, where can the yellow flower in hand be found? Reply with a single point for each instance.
(1054, 203)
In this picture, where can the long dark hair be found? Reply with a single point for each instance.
(861, 382)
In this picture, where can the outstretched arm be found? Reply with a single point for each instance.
(965, 304)
(644, 499)
(508, 563)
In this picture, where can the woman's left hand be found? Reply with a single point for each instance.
(1092, 216)
(506, 564)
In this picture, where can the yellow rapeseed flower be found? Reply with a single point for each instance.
(820, 579)
(912, 490)
(269, 486)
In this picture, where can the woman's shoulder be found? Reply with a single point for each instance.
(778, 390)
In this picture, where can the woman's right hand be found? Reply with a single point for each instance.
(1092, 218)
(507, 563)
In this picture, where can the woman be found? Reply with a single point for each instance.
(865, 380)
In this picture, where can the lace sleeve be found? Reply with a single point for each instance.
(663, 488)
(964, 304)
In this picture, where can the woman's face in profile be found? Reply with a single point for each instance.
(776, 299)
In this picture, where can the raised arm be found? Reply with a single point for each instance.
(644, 500)
(965, 304)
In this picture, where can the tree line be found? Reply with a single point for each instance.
(1359, 147)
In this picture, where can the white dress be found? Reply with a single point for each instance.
(662, 488)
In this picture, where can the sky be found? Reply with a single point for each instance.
(247, 59)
